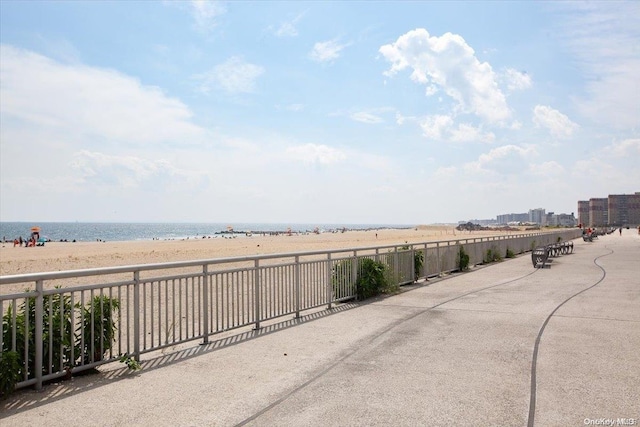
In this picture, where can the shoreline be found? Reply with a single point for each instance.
(63, 256)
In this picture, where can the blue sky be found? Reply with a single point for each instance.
(303, 112)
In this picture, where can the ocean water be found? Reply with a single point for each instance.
(109, 231)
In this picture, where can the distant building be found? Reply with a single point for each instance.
(512, 217)
(598, 212)
(537, 216)
(624, 209)
(560, 220)
(617, 210)
(583, 213)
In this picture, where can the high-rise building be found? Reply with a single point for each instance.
(624, 209)
(583, 213)
(598, 212)
(512, 217)
(537, 216)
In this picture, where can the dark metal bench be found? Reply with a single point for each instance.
(540, 257)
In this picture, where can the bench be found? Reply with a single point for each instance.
(560, 248)
(540, 257)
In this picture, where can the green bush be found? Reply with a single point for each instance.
(57, 336)
(370, 278)
(492, 255)
(462, 259)
(97, 327)
(62, 348)
(343, 279)
(418, 262)
(11, 372)
(510, 254)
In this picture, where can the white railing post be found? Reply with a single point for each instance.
(396, 266)
(136, 315)
(205, 303)
(354, 274)
(297, 286)
(256, 297)
(39, 304)
(329, 284)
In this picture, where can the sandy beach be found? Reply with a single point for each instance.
(61, 256)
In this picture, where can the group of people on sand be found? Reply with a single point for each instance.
(34, 240)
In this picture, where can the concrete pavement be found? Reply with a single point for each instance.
(459, 350)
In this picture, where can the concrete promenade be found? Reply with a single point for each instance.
(460, 350)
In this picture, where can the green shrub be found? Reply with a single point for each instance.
(98, 328)
(343, 279)
(62, 348)
(371, 279)
(462, 259)
(57, 336)
(11, 372)
(510, 254)
(418, 262)
(492, 255)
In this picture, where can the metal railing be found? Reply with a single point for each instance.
(71, 321)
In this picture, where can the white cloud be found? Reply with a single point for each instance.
(313, 153)
(326, 51)
(468, 133)
(132, 172)
(434, 127)
(506, 160)
(449, 63)
(628, 147)
(557, 123)
(517, 80)
(442, 127)
(77, 100)
(233, 76)
(288, 29)
(365, 117)
(547, 169)
(205, 13)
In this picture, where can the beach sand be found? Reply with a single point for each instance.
(61, 256)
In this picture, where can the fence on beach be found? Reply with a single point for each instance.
(70, 321)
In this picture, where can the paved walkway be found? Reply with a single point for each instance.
(455, 351)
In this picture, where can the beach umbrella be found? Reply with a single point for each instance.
(35, 229)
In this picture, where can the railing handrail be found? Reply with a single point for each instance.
(65, 274)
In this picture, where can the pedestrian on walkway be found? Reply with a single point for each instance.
(620, 230)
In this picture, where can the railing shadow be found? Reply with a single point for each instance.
(26, 399)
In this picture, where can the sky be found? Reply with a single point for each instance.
(315, 112)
